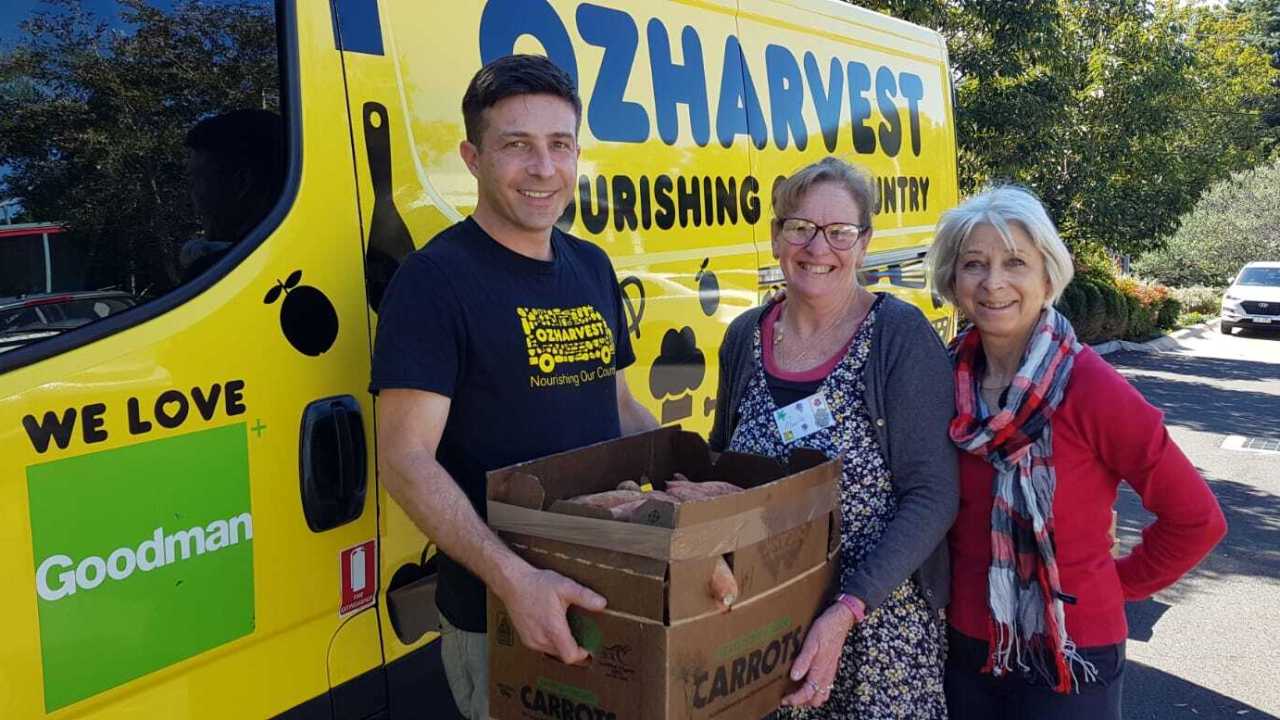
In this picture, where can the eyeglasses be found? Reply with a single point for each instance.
(840, 236)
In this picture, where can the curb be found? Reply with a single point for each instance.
(1164, 343)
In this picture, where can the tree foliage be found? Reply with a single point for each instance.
(93, 114)
(1263, 19)
(1235, 222)
(1118, 113)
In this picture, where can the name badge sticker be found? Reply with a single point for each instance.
(803, 418)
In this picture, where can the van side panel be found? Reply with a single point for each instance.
(873, 91)
(672, 205)
(691, 110)
(158, 559)
(142, 513)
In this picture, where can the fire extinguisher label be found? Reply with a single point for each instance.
(359, 578)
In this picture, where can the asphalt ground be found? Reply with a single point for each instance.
(1209, 647)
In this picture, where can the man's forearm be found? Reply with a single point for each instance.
(439, 507)
(635, 418)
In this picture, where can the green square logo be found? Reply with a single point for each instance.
(144, 557)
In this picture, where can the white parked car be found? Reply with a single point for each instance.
(1253, 300)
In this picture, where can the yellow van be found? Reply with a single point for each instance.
(190, 518)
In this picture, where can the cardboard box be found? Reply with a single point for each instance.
(663, 648)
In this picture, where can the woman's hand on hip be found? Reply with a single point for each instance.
(815, 667)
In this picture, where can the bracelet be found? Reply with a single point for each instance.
(856, 606)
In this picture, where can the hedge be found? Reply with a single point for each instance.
(1167, 315)
(1103, 308)
(1199, 299)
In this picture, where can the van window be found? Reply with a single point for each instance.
(140, 142)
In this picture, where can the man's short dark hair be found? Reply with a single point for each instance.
(252, 140)
(510, 76)
(243, 163)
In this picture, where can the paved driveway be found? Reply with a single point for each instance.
(1209, 647)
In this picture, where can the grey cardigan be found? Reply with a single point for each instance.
(910, 397)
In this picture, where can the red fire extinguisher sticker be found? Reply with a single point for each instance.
(359, 578)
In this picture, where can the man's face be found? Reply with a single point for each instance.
(202, 171)
(526, 162)
(218, 196)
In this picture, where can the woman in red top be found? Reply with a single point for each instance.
(1048, 430)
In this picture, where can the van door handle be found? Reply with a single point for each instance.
(333, 472)
(342, 443)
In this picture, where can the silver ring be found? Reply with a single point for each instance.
(813, 685)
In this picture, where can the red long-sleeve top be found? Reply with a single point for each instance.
(1103, 432)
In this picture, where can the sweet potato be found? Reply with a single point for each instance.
(608, 499)
(624, 511)
(693, 491)
(660, 495)
(723, 586)
(686, 491)
(627, 510)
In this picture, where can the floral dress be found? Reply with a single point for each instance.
(892, 662)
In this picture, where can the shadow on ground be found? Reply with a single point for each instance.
(1205, 406)
(1143, 616)
(1194, 393)
(1251, 547)
(1150, 694)
(1259, 333)
(1197, 366)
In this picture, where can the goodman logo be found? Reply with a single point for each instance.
(60, 575)
(143, 557)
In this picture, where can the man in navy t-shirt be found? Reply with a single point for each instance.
(502, 340)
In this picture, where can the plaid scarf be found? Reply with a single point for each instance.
(1028, 624)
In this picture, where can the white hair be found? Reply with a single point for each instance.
(999, 207)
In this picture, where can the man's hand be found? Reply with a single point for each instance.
(819, 658)
(633, 417)
(538, 601)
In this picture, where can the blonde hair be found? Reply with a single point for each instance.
(999, 207)
(788, 192)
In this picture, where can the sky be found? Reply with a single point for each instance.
(14, 11)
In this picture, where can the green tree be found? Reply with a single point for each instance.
(1009, 96)
(1110, 175)
(92, 118)
(930, 13)
(1151, 117)
(1235, 222)
(1263, 18)
(1003, 58)
(1117, 112)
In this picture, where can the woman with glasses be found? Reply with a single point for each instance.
(860, 375)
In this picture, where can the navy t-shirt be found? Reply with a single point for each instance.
(526, 350)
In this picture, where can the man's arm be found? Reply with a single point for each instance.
(410, 424)
(635, 418)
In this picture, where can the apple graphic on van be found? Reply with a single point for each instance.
(708, 289)
(307, 317)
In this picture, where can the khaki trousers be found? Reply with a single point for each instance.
(466, 665)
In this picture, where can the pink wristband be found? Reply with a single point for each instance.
(855, 606)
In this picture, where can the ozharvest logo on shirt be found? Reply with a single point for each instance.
(560, 337)
(143, 558)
